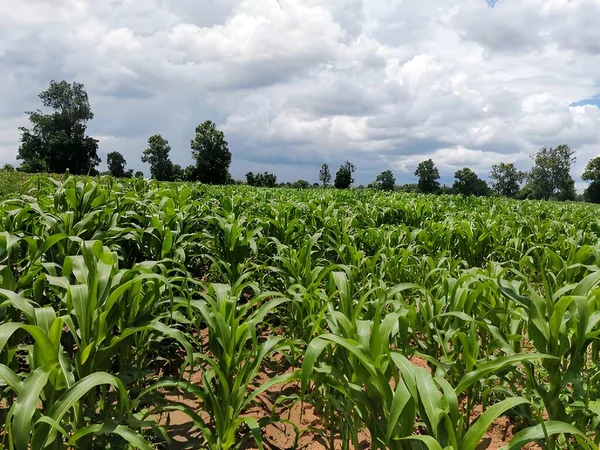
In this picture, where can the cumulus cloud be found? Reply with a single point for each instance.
(296, 83)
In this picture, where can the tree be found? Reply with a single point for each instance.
(265, 179)
(550, 176)
(343, 177)
(139, 174)
(177, 173)
(428, 177)
(592, 174)
(468, 183)
(209, 149)
(8, 168)
(190, 173)
(301, 184)
(325, 175)
(157, 154)
(507, 179)
(385, 181)
(116, 164)
(57, 142)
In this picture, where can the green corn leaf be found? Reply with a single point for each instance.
(26, 407)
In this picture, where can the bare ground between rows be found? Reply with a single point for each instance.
(301, 427)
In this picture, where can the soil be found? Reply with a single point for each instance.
(301, 427)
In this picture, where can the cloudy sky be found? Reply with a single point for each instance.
(296, 83)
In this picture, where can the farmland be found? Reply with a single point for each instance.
(402, 321)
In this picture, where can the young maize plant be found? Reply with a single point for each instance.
(405, 321)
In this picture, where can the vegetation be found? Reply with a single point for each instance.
(468, 183)
(385, 181)
(265, 179)
(428, 177)
(57, 142)
(550, 176)
(115, 294)
(157, 154)
(325, 175)
(506, 179)
(343, 177)
(592, 175)
(211, 153)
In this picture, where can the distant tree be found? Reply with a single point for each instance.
(550, 176)
(428, 177)
(139, 174)
(212, 155)
(57, 142)
(507, 179)
(301, 184)
(411, 188)
(468, 183)
(157, 154)
(385, 181)
(116, 164)
(446, 190)
(265, 179)
(177, 173)
(8, 168)
(325, 175)
(316, 185)
(343, 177)
(592, 174)
(128, 173)
(190, 173)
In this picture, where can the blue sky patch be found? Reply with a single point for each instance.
(594, 101)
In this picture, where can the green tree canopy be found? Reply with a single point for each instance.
(550, 176)
(428, 177)
(507, 179)
(468, 183)
(212, 155)
(343, 177)
(116, 164)
(57, 142)
(265, 179)
(301, 184)
(592, 174)
(157, 154)
(325, 175)
(385, 181)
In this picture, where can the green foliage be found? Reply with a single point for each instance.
(506, 179)
(468, 183)
(550, 177)
(428, 177)
(343, 177)
(157, 154)
(325, 175)
(301, 184)
(116, 164)
(398, 316)
(57, 142)
(265, 179)
(385, 181)
(592, 174)
(212, 155)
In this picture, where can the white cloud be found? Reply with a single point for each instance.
(296, 83)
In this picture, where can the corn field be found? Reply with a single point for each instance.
(119, 296)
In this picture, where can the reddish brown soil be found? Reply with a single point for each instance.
(302, 417)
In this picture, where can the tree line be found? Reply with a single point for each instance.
(57, 142)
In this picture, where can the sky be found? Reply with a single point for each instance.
(298, 83)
